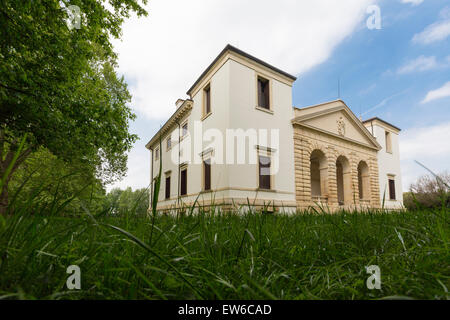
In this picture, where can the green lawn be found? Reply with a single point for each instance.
(306, 256)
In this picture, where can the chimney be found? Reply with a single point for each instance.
(179, 103)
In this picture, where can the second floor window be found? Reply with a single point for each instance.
(184, 130)
(169, 143)
(388, 142)
(263, 93)
(156, 154)
(207, 100)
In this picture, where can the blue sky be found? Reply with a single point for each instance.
(368, 65)
(400, 73)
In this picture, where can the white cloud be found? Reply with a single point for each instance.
(428, 145)
(421, 63)
(435, 32)
(138, 175)
(162, 55)
(440, 93)
(413, 2)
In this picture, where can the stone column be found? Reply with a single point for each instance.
(354, 170)
(332, 181)
(374, 183)
(302, 170)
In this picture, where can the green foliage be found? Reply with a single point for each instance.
(60, 87)
(124, 202)
(55, 186)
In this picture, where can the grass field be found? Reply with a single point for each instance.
(256, 256)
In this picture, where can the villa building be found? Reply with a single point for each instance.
(237, 140)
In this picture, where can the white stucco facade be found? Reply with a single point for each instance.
(236, 119)
(388, 161)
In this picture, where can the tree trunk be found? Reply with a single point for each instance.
(4, 200)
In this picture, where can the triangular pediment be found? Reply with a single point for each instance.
(336, 119)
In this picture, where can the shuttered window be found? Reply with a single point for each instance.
(183, 187)
(392, 189)
(207, 175)
(388, 142)
(168, 187)
(264, 172)
(263, 93)
(207, 95)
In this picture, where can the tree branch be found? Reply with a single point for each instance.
(16, 90)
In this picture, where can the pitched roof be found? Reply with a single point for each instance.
(381, 120)
(229, 47)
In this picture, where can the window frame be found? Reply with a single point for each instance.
(169, 143)
(157, 153)
(184, 168)
(183, 133)
(167, 187)
(268, 81)
(392, 190)
(388, 141)
(206, 96)
(270, 180)
(205, 163)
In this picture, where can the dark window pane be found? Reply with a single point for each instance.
(391, 189)
(167, 187)
(183, 190)
(208, 100)
(264, 172)
(207, 166)
(263, 93)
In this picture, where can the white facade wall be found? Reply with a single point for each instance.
(245, 115)
(233, 86)
(388, 163)
(219, 119)
(233, 104)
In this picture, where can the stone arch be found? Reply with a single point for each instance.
(318, 174)
(363, 181)
(344, 181)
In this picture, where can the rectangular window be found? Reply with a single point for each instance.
(183, 186)
(264, 172)
(207, 101)
(169, 143)
(207, 175)
(392, 189)
(263, 93)
(184, 130)
(157, 154)
(168, 187)
(388, 142)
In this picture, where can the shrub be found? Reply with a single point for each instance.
(429, 192)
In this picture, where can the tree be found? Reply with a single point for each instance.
(429, 192)
(127, 201)
(59, 88)
(45, 184)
